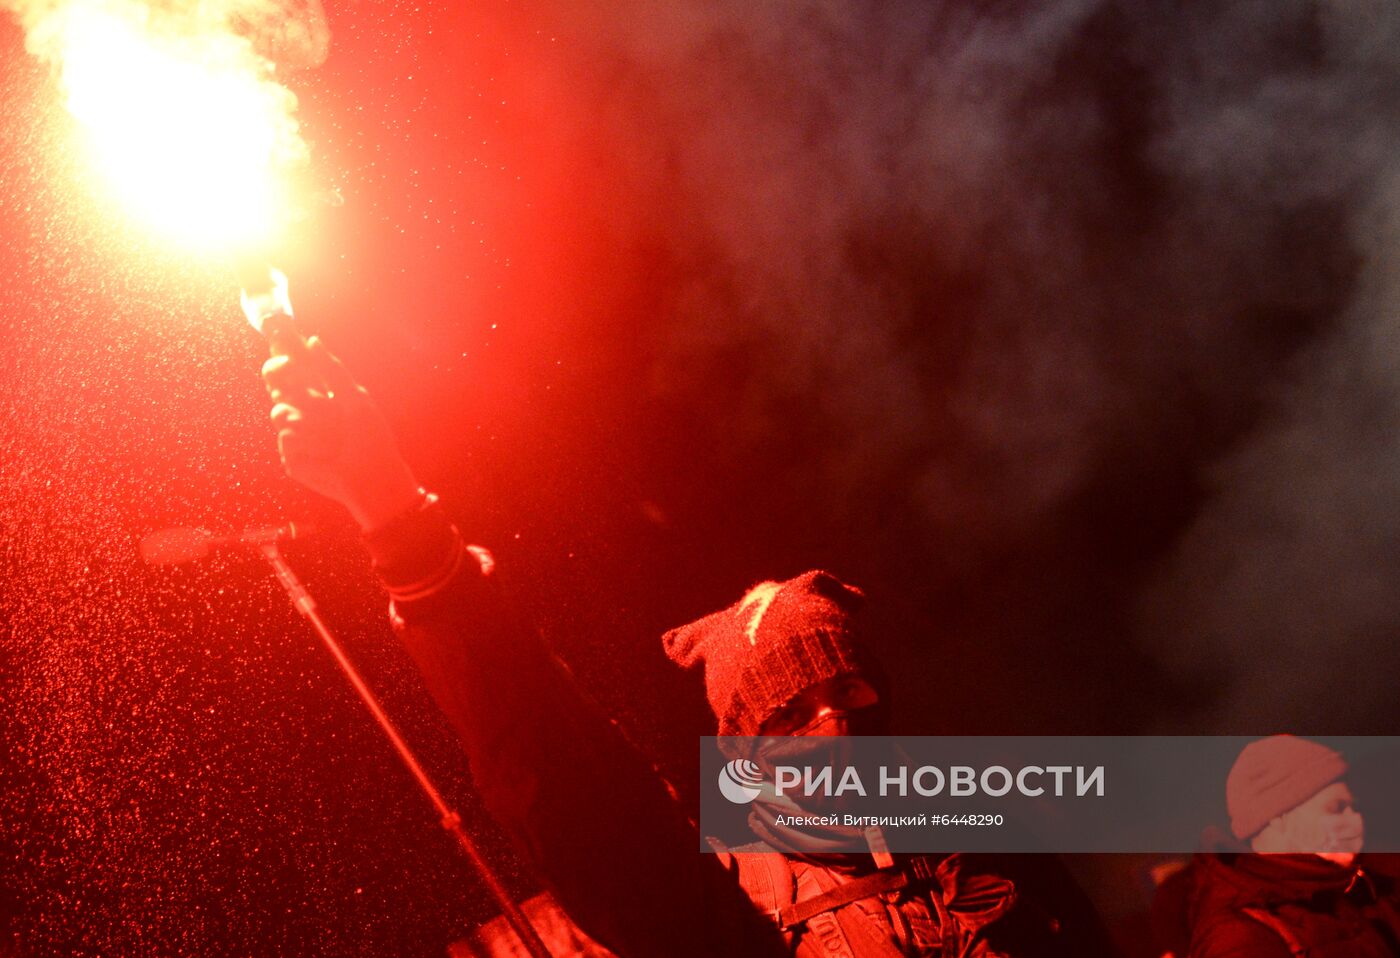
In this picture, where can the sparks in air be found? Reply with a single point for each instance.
(188, 127)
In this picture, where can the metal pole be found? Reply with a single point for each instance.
(306, 605)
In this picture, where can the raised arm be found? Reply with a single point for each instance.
(585, 808)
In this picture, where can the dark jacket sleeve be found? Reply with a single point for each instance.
(587, 810)
(1237, 936)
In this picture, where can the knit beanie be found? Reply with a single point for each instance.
(1275, 775)
(778, 640)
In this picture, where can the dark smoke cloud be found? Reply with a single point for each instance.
(1098, 283)
(1284, 581)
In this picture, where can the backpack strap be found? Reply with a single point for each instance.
(764, 873)
(964, 903)
(772, 881)
(845, 932)
(919, 870)
(1278, 926)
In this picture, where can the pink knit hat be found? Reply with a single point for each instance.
(778, 640)
(1275, 775)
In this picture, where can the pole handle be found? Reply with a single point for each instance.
(451, 821)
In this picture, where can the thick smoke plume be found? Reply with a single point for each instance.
(1105, 292)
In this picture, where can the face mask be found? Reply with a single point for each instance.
(806, 749)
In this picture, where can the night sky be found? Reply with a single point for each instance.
(1070, 331)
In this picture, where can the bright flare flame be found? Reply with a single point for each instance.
(263, 304)
(187, 125)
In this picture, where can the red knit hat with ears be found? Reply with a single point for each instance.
(780, 639)
(1275, 775)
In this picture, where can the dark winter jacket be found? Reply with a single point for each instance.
(589, 812)
(1280, 906)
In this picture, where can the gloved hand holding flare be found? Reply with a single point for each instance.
(332, 436)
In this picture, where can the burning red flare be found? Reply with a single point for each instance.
(182, 117)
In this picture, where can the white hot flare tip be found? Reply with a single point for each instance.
(260, 305)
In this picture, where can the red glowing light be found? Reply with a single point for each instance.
(183, 120)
